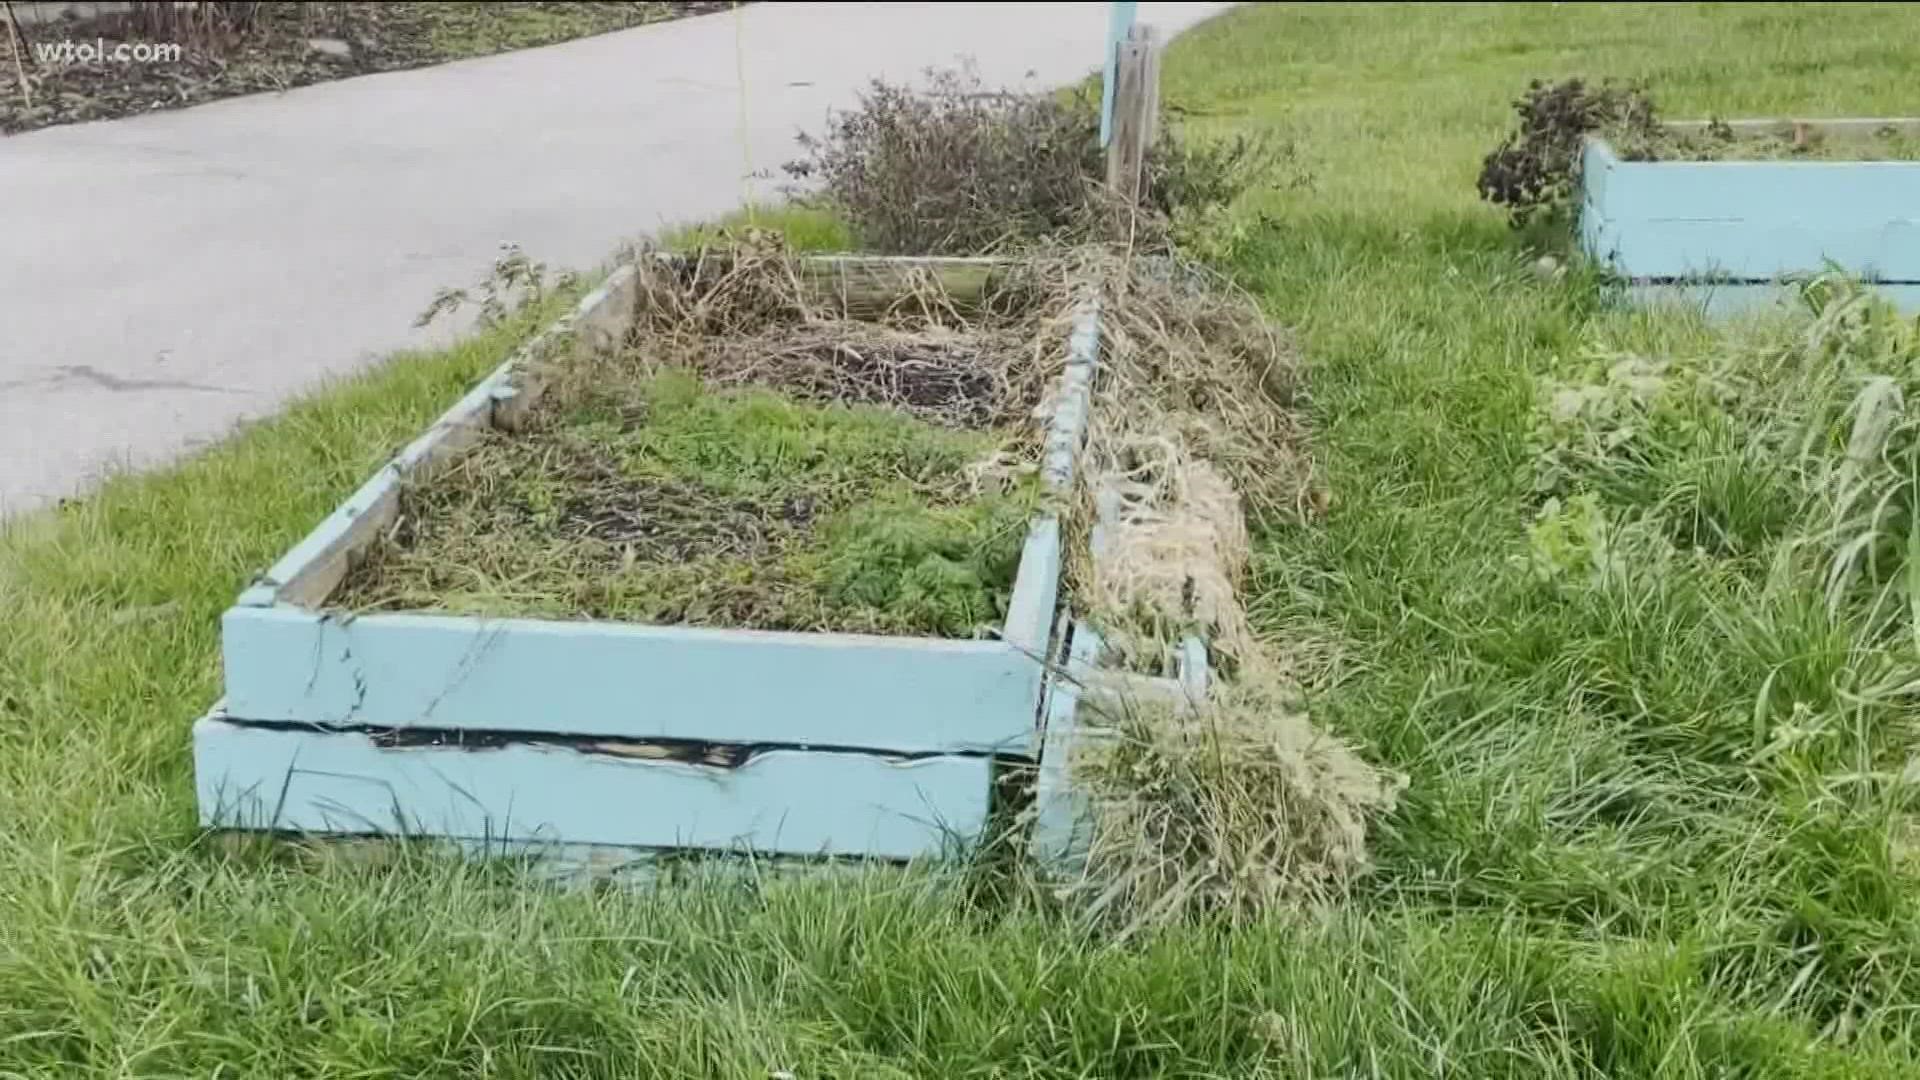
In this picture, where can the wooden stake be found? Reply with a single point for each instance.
(1136, 112)
(14, 37)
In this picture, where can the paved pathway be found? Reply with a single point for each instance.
(165, 276)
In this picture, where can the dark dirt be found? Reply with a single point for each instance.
(275, 53)
(958, 381)
(672, 520)
(1719, 141)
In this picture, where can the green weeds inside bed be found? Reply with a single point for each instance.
(661, 499)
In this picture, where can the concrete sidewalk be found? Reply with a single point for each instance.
(165, 276)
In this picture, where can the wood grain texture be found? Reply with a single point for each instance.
(867, 285)
(785, 802)
(1750, 220)
(1136, 110)
(908, 695)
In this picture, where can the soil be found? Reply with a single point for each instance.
(955, 379)
(291, 44)
(1721, 142)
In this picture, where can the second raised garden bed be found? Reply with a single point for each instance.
(1777, 199)
(647, 611)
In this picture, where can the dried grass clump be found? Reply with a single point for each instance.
(1169, 550)
(1191, 355)
(1196, 430)
(1237, 803)
(1237, 807)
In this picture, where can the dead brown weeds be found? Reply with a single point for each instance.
(1238, 807)
(752, 313)
(1236, 803)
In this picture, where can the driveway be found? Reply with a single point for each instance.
(165, 276)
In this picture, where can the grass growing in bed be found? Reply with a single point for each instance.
(661, 500)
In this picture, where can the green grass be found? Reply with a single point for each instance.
(804, 229)
(1647, 832)
(653, 499)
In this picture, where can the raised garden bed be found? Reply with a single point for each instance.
(1779, 199)
(479, 715)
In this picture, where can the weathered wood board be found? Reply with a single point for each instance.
(1737, 223)
(287, 665)
(787, 802)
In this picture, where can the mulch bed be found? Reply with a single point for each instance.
(292, 44)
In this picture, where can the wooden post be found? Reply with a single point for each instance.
(1136, 113)
(1120, 15)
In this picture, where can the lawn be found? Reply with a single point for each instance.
(1653, 825)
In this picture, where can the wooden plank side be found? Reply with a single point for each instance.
(1136, 101)
(1195, 669)
(909, 695)
(1847, 194)
(1061, 821)
(872, 284)
(1597, 161)
(1596, 235)
(308, 573)
(315, 566)
(783, 802)
(1725, 300)
(598, 324)
(1762, 249)
(1036, 588)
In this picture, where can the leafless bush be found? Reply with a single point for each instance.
(952, 167)
(196, 21)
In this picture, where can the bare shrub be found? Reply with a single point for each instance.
(952, 167)
(192, 21)
(1535, 169)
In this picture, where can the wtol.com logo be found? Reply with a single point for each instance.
(97, 50)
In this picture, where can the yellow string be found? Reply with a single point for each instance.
(746, 147)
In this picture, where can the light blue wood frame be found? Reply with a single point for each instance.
(288, 662)
(1120, 16)
(911, 695)
(786, 802)
(1737, 222)
(1062, 820)
(859, 744)
(1084, 704)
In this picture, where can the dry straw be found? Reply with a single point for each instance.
(1236, 804)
